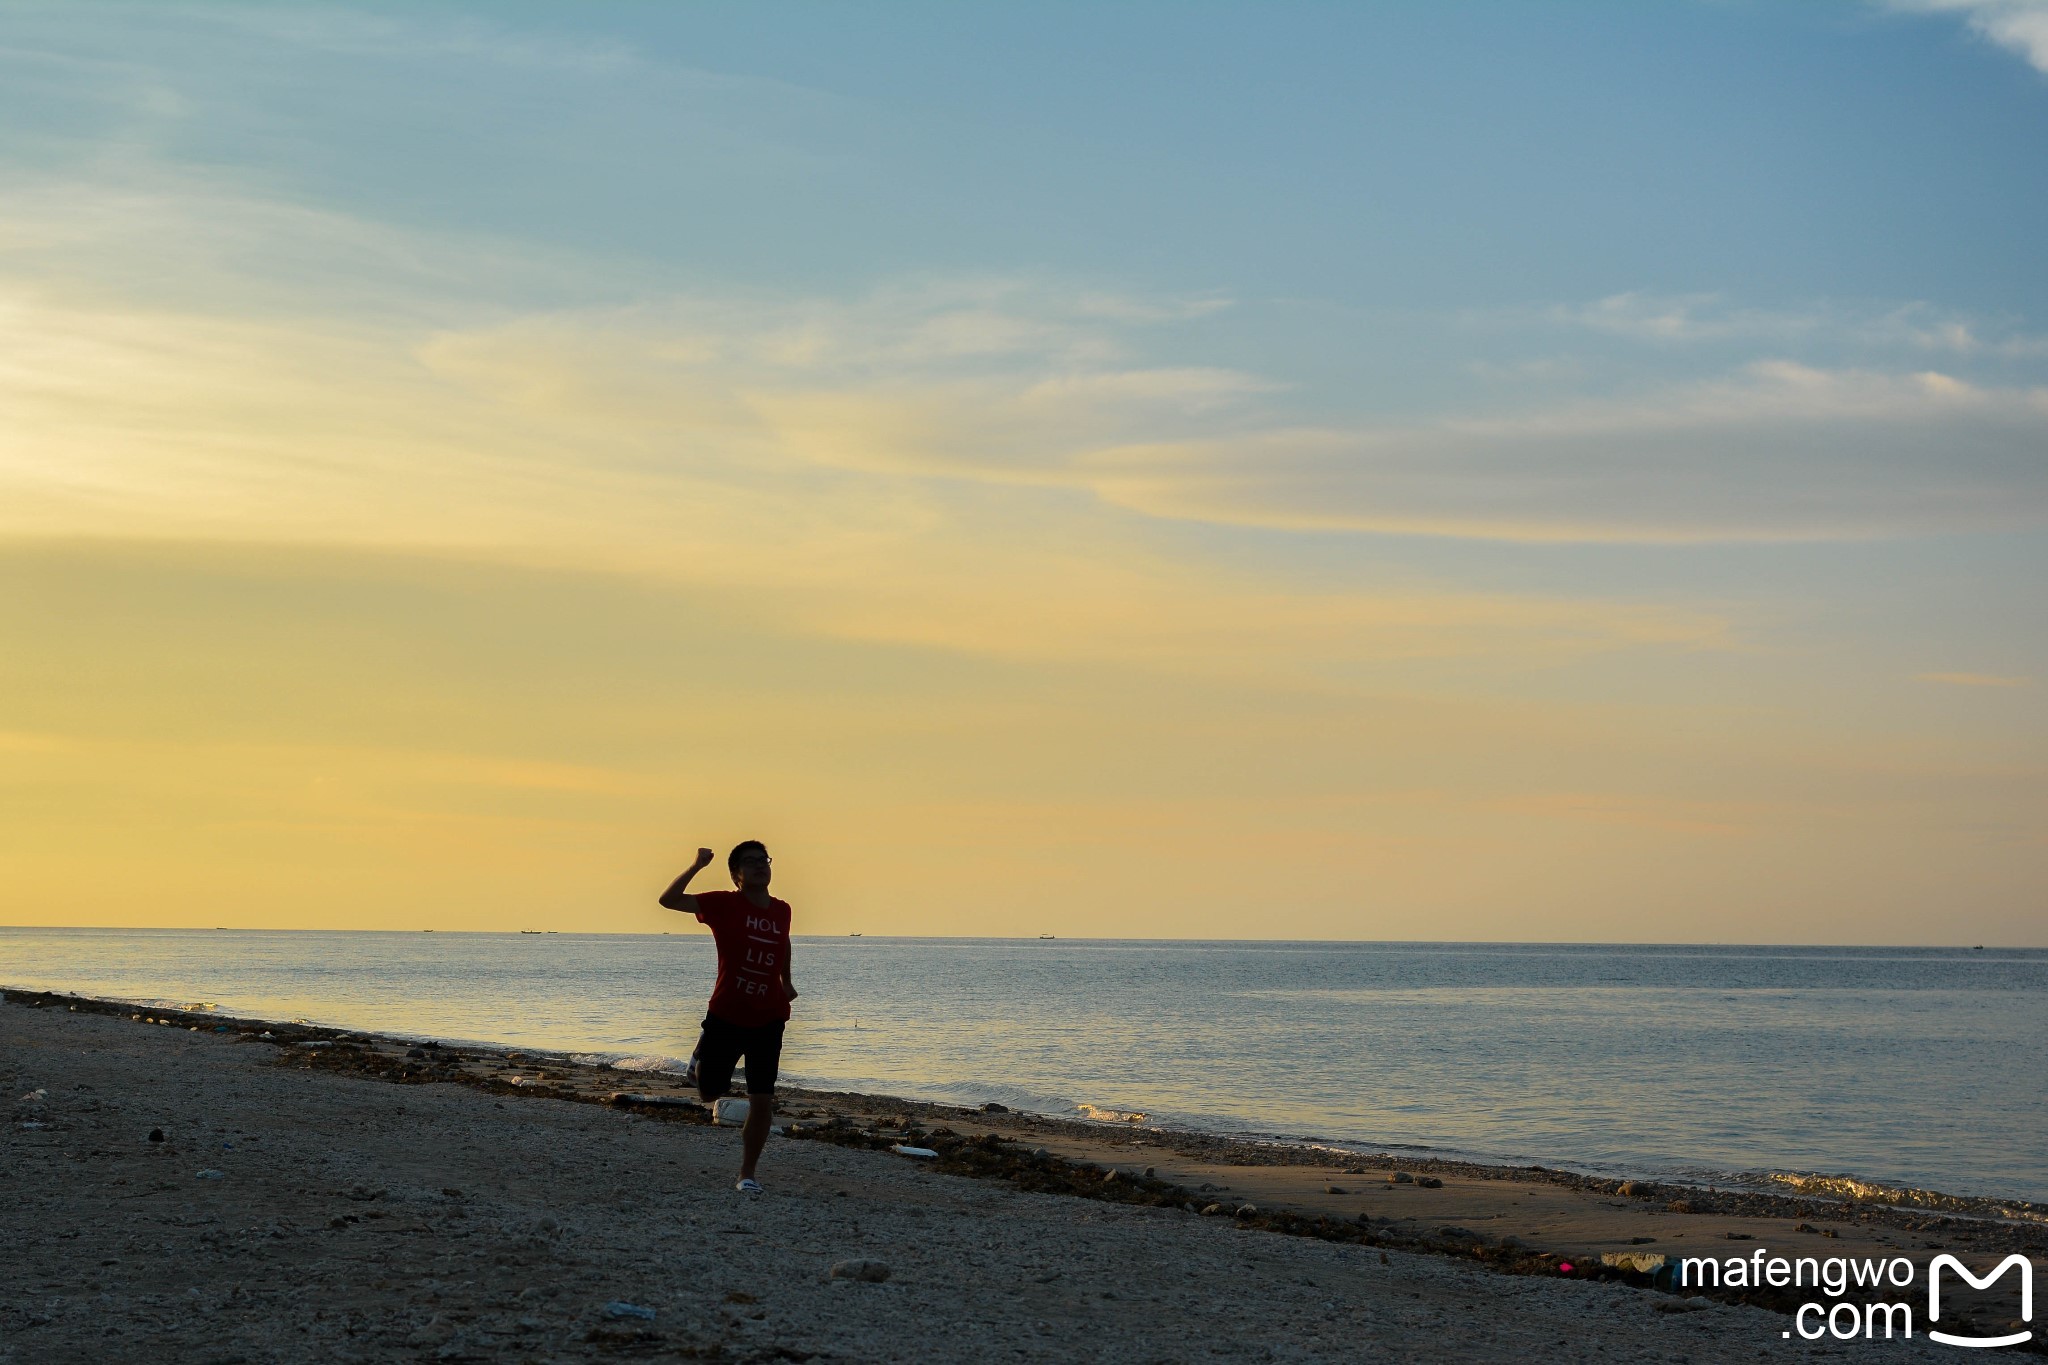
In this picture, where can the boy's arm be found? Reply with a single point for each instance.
(788, 986)
(677, 897)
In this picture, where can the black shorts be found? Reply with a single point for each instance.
(723, 1043)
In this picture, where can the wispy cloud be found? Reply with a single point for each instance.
(1975, 679)
(2019, 25)
(1707, 317)
(262, 380)
(1776, 451)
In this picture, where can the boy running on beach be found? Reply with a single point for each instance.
(750, 1003)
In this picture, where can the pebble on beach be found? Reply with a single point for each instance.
(872, 1272)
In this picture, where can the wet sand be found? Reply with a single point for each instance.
(325, 1195)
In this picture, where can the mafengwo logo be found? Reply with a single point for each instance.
(1836, 1277)
(2012, 1262)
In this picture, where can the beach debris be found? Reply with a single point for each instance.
(1110, 1176)
(622, 1098)
(34, 1124)
(619, 1308)
(1659, 1267)
(1630, 1189)
(993, 1108)
(1247, 1210)
(1151, 1171)
(156, 1135)
(1679, 1206)
(1401, 1178)
(872, 1272)
(1211, 1210)
(36, 1096)
(1103, 1115)
(211, 1174)
(1334, 1189)
(1428, 1182)
(921, 1153)
(729, 1113)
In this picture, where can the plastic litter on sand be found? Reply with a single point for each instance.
(619, 1308)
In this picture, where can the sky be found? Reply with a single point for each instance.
(1494, 471)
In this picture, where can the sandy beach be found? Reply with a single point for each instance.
(319, 1195)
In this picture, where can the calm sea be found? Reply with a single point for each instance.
(1919, 1068)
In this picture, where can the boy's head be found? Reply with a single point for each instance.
(749, 864)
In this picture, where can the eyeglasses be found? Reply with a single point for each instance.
(754, 860)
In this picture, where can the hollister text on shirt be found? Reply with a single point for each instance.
(753, 955)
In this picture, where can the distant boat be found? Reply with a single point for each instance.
(853, 935)
(529, 931)
(426, 931)
(1045, 935)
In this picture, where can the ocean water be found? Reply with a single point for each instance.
(1913, 1068)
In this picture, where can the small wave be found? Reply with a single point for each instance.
(1102, 1115)
(1904, 1196)
(649, 1063)
(629, 1062)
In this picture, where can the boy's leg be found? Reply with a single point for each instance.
(718, 1051)
(764, 1064)
(754, 1136)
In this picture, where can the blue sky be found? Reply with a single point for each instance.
(1682, 364)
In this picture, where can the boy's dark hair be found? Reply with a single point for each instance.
(744, 849)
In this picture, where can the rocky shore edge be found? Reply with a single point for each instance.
(993, 1143)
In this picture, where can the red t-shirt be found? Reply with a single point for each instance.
(753, 954)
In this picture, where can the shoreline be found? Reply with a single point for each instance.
(1520, 1220)
(184, 1179)
(1794, 1193)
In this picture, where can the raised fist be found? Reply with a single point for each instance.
(704, 857)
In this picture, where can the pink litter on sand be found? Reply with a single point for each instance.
(1564, 1267)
